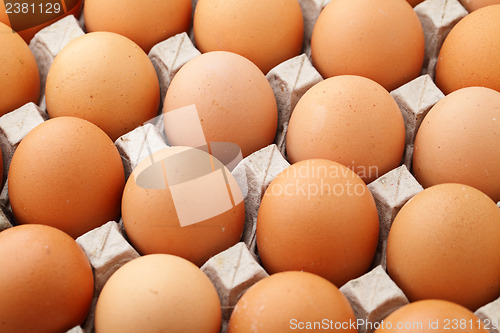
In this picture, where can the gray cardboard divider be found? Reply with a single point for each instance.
(169, 56)
(415, 99)
(254, 174)
(137, 145)
(14, 126)
(490, 315)
(310, 12)
(391, 191)
(373, 297)
(76, 329)
(7, 219)
(232, 272)
(107, 250)
(48, 42)
(290, 80)
(437, 17)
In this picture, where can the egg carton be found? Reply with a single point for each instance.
(374, 295)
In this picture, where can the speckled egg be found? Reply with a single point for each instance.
(318, 216)
(459, 141)
(233, 103)
(19, 77)
(351, 120)
(266, 32)
(443, 244)
(68, 174)
(379, 39)
(145, 22)
(106, 79)
(290, 302)
(47, 282)
(469, 55)
(182, 201)
(433, 316)
(158, 293)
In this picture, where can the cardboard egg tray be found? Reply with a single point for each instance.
(374, 295)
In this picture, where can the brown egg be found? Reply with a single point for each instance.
(47, 282)
(68, 174)
(19, 77)
(37, 16)
(351, 120)
(182, 201)
(234, 101)
(472, 5)
(379, 39)
(432, 316)
(444, 245)
(145, 22)
(458, 141)
(469, 55)
(318, 216)
(106, 79)
(292, 301)
(266, 32)
(158, 293)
